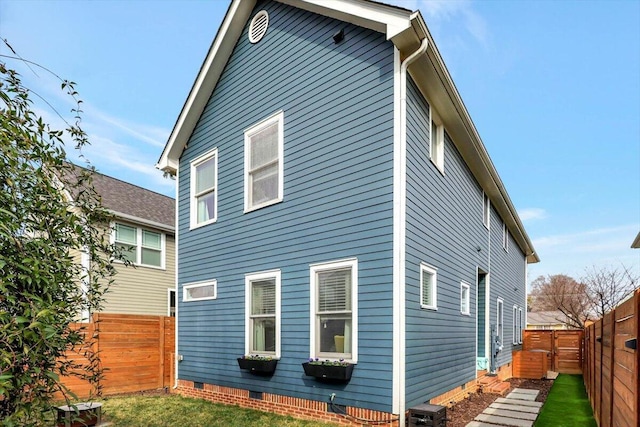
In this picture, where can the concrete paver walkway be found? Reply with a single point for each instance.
(518, 409)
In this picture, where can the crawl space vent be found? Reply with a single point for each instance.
(258, 27)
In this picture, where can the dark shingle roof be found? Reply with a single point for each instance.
(124, 198)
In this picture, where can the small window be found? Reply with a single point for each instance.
(499, 319)
(140, 246)
(262, 310)
(465, 299)
(263, 165)
(505, 237)
(199, 291)
(334, 323)
(428, 285)
(515, 325)
(436, 143)
(171, 303)
(486, 209)
(521, 326)
(204, 194)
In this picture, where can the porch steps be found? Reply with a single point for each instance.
(493, 385)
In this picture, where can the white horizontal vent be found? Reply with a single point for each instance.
(258, 27)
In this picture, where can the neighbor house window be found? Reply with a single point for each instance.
(428, 287)
(486, 209)
(465, 299)
(140, 246)
(263, 163)
(505, 236)
(334, 323)
(515, 325)
(499, 319)
(199, 291)
(436, 142)
(262, 313)
(204, 189)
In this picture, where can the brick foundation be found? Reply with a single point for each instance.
(284, 405)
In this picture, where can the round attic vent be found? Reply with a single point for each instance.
(258, 27)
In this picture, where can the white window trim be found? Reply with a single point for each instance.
(436, 145)
(515, 325)
(500, 318)
(186, 286)
(486, 210)
(464, 286)
(194, 202)
(138, 245)
(434, 288)
(252, 277)
(521, 316)
(334, 265)
(505, 237)
(275, 118)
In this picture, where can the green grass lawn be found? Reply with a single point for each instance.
(567, 404)
(174, 410)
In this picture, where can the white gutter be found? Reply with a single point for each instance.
(400, 228)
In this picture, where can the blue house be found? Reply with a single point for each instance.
(335, 201)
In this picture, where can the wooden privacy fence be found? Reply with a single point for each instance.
(563, 347)
(136, 352)
(611, 365)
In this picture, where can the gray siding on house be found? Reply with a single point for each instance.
(338, 181)
(444, 230)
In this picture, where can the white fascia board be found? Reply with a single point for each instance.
(364, 13)
(219, 53)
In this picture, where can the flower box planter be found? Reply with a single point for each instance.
(258, 366)
(328, 372)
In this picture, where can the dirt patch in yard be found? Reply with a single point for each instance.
(466, 410)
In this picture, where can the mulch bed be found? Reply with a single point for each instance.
(463, 412)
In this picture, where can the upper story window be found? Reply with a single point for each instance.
(436, 142)
(505, 237)
(204, 189)
(140, 246)
(199, 291)
(263, 163)
(334, 308)
(486, 210)
(262, 309)
(428, 287)
(465, 299)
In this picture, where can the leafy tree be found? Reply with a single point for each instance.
(599, 291)
(43, 284)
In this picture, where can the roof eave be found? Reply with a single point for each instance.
(636, 242)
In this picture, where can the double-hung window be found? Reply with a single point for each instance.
(139, 245)
(263, 163)
(262, 313)
(204, 191)
(465, 299)
(428, 287)
(334, 308)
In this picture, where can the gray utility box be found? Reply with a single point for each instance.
(427, 415)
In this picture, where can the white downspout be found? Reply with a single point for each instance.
(176, 358)
(400, 215)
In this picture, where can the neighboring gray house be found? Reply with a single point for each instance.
(335, 201)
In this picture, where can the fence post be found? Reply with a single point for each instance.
(161, 341)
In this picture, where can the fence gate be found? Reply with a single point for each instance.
(564, 347)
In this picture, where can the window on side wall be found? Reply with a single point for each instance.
(204, 189)
(465, 299)
(199, 291)
(436, 141)
(505, 237)
(334, 291)
(486, 209)
(522, 325)
(140, 246)
(499, 319)
(428, 287)
(262, 309)
(515, 325)
(263, 163)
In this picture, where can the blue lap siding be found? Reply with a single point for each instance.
(337, 101)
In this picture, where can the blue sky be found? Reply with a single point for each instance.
(553, 88)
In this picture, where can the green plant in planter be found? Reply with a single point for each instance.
(328, 370)
(258, 364)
